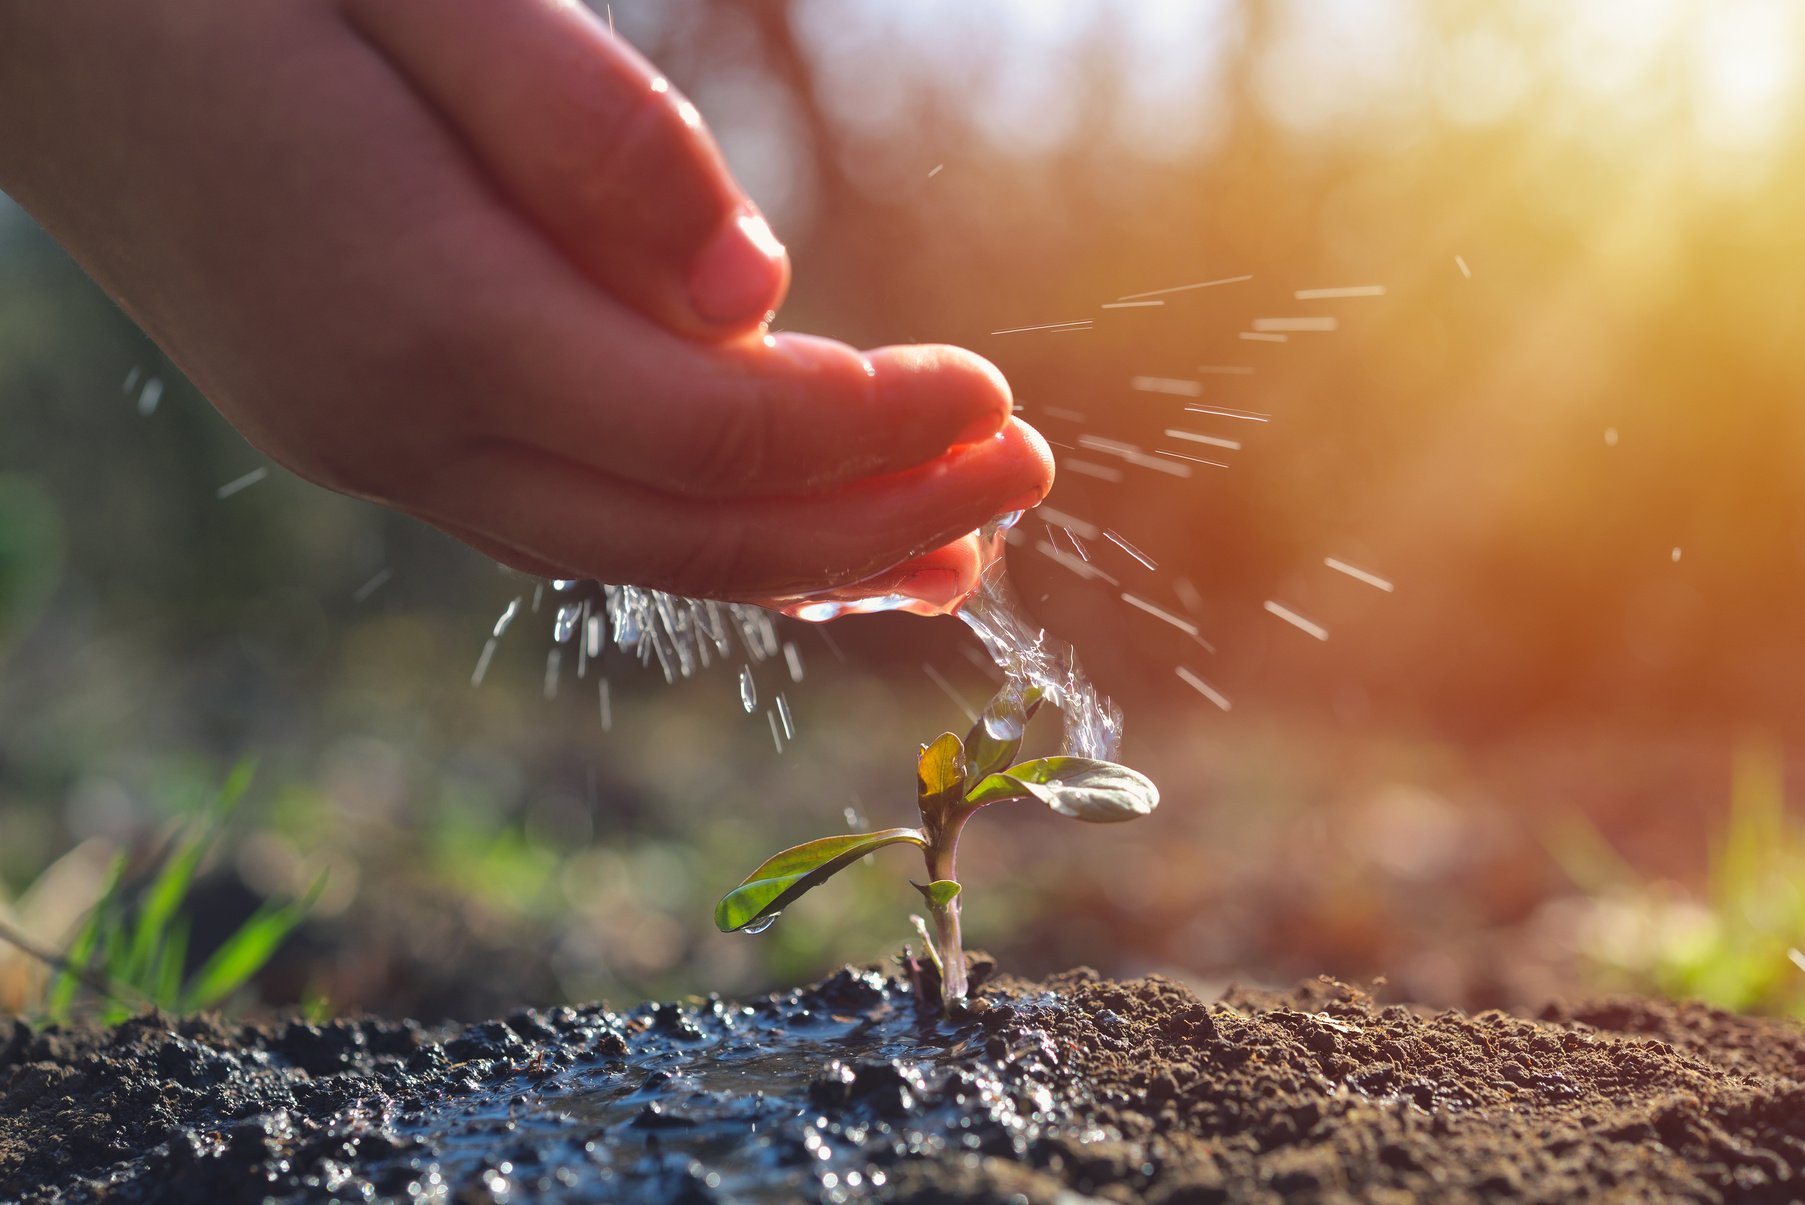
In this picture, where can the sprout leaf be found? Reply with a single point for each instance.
(997, 736)
(784, 876)
(1098, 791)
(939, 893)
(941, 770)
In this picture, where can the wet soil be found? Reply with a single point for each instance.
(1062, 1091)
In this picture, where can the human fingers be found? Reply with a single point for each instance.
(782, 414)
(933, 583)
(559, 512)
(593, 144)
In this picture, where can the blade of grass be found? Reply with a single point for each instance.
(170, 888)
(167, 891)
(166, 989)
(245, 952)
(232, 790)
(59, 997)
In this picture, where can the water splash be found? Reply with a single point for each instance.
(1025, 653)
(684, 635)
(1028, 658)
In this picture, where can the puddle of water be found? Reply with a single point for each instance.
(793, 1098)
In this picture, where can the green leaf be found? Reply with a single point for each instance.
(238, 781)
(1101, 792)
(174, 880)
(941, 770)
(246, 951)
(166, 988)
(60, 995)
(939, 893)
(784, 876)
(995, 789)
(166, 894)
(997, 736)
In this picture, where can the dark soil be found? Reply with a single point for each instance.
(1057, 1092)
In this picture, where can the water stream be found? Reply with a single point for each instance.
(684, 635)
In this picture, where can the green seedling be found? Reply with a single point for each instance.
(954, 779)
(135, 955)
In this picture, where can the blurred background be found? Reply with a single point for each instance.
(1550, 408)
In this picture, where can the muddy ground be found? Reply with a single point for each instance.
(1063, 1091)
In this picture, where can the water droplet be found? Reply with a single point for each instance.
(1093, 725)
(1003, 719)
(566, 622)
(482, 662)
(507, 617)
(761, 924)
(748, 690)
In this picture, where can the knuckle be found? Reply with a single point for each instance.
(716, 562)
(630, 144)
(732, 451)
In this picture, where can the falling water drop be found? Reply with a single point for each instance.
(761, 924)
(748, 690)
(507, 617)
(566, 623)
(1003, 718)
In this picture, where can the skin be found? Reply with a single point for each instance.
(475, 260)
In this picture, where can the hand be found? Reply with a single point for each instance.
(473, 260)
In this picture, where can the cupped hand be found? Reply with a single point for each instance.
(475, 260)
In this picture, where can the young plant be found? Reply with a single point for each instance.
(135, 955)
(953, 780)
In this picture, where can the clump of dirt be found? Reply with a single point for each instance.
(1125, 1091)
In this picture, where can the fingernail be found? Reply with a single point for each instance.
(981, 427)
(938, 586)
(1025, 501)
(737, 275)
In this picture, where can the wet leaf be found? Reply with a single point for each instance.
(996, 788)
(939, 893)
(786, 875)
(941, 770)
(997, 736)
(1101, 792)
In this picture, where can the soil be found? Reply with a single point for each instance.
(1062, 1091)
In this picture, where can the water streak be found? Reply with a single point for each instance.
(684, 634)
(1029, 658)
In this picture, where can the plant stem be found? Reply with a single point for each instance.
(952, 953)
(942, 859)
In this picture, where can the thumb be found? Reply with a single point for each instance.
(585, 138)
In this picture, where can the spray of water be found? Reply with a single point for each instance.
(1028, 658)
(684, 635)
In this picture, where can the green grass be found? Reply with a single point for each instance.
(1732, 943)
(131, 952)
